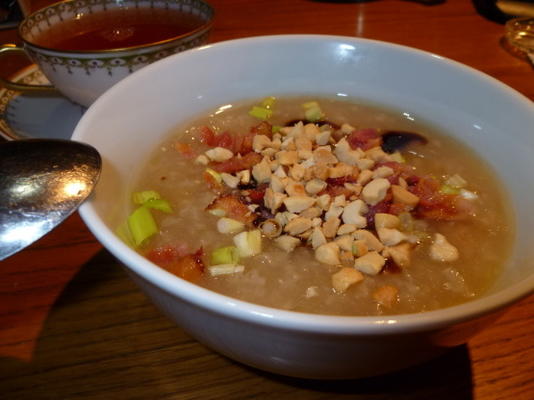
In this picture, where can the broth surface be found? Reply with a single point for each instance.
(296, 280)
(120, 28)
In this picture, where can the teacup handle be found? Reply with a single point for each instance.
(11, 48)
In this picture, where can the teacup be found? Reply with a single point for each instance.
(86, 46)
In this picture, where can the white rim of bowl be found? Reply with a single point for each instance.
(257, 314)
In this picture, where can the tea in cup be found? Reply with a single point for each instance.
(84, 47)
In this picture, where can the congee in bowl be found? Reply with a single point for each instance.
(322, 205)
(301, 206)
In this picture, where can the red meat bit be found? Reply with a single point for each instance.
(168, 253)
(399, 171)
(340, 181)
(263, 128)
(237, 163)
(381, 207)
(233, 208)
(256, 195)
(237, 143)
(189, 267)
(334, 191)
(207, 136)
(436, 205)
(364, 139)
(399, 208)
(184, 149)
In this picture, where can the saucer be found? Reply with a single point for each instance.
(43, 115)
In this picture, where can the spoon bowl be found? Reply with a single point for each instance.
(42, 182)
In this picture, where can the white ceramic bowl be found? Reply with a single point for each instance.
(131, 119)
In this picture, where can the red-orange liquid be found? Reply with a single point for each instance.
(118, 29)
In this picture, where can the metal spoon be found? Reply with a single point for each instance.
(42, 182)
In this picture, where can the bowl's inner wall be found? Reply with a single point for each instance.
(127, 124)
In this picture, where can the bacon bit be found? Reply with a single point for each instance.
(399, 208)
(341, 180)
(237, 163)
(237, 143)
(335, 187)
(364, 139)
(233, 208)
(189, 267)
(207, 136)
(168, 253)
(184, 149)
(263, 128)
(436, 205)
(399, 170)
(256, 195)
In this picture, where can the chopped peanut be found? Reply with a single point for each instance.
(262, 171)
(383, 220)
(330, 227)
(370, 240)
(314, 186)
(386, 295)
(298, 225)
(442, 250)
(375, 191)
(296, 204)
(401, 195)
(370, 263)
(287, 243)
(219, 154)
(400, 253)
(328, 253)
(390, 237)
(345, 278)
(317, 237)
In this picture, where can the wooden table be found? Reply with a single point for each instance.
(72, 325)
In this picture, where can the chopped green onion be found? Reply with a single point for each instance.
(248, 243)
(268, 102)
(144, 196)
(142, 225)
(276, 128)
(468, 195)
(447, 189)
(225, 269)
(123, 232)
(260, 112)
(312, 111)
(313, 114)
(218, 212)
(159, 204)
(398, 157)
(214, 174)
(456, 181)
(310, 104)
(225, 255)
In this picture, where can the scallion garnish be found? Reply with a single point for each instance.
(141, 225)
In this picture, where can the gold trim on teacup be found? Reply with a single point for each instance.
(205, 10)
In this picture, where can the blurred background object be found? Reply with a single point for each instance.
(503, 10)
(520, 34)
(10, 14)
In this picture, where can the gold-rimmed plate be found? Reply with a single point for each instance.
(35, 114)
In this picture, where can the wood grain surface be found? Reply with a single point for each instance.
(73, 326)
